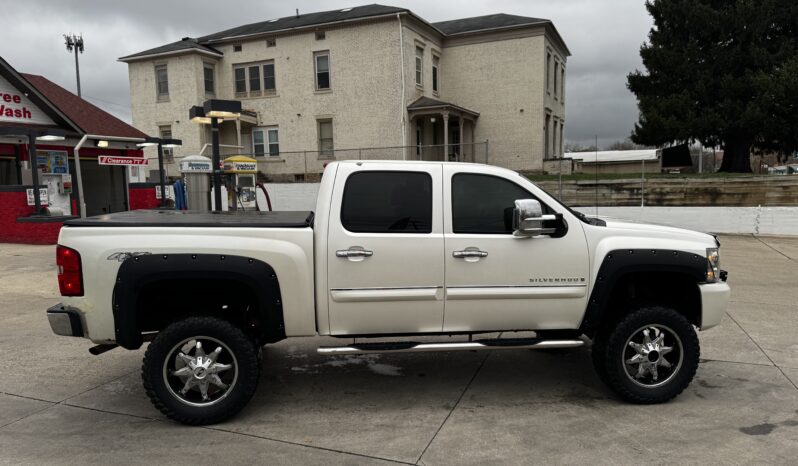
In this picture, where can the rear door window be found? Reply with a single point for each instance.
(387, 202)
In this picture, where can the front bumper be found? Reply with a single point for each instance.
(65, 321)
(714, 301)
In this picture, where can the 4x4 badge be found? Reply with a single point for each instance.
(123, 256)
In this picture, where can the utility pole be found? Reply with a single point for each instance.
(75, 43)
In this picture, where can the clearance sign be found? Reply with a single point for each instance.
(113, 160)
(15, 107)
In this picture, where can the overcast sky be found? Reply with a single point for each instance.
(604, 38)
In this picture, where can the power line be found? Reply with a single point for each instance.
(107, 102)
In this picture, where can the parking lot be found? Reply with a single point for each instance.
(59, 404)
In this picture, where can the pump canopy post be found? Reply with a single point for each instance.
(213, 112)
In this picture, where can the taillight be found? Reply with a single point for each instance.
(70, 276)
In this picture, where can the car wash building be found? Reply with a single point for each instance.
(61, 157)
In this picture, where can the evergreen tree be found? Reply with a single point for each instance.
(723, 72)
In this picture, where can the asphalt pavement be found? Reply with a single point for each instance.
(60, 405)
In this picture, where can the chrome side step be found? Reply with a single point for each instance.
(417, 347)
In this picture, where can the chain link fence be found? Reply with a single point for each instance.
(309, 164)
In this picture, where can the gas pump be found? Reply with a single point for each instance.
(196, 171)
(240, 172)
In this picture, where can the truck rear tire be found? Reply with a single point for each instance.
(650, 356)
(200, 370)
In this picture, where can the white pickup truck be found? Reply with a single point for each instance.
(448, 251)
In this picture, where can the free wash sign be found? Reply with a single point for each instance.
(15, 107)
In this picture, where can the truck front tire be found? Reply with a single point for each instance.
(650, 356)
(200, 370)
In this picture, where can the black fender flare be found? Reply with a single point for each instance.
(137, 272)
(621, 262)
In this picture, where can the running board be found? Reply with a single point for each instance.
(418, 347)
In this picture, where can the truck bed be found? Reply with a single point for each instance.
(182, 218)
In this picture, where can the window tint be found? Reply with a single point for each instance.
(484, 204)
(388, 202)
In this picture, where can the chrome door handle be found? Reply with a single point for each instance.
(469, 253)
(353, 253)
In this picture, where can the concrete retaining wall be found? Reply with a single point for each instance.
(735, 191)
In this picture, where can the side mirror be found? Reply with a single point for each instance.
(528, 219)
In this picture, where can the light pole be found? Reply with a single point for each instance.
(75, 43)
(213, 112)
(161, 143)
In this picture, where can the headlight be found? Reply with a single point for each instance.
(713, 265)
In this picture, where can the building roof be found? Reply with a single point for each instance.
(201, 44)
(88, 117)
(446, 28)
(482, 23)
(423, 103)
(187, 43)
(304, 20)
(615, 156)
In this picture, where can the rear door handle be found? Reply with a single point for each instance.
(469, 253)
(353, 253)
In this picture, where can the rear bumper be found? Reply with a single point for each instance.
(714, 301)
(65, 321)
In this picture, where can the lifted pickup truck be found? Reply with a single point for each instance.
(394, 249)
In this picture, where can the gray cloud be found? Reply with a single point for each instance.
(604, 38)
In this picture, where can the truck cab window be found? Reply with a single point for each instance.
(484, 203)
(387, 202)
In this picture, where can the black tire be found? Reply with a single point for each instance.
(161, 383)
(612, 351)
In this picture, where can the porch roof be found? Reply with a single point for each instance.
(427, 103)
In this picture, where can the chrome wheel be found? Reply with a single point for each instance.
(652, 355)
(199, 379)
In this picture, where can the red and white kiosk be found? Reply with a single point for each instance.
(61, 157)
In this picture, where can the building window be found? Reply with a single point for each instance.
(321, 35)
(326, 146)
(548, 72)
(241, 81)
(322, 63)
(237, 48)
(419, 66)
(556, 77)
(254, 80)
(208, 71)
(162, 82)
(435, 67)
(248, 79)
(271, 41)
(165, 132)
(546, 137)
(266, 141)
(562, 84)
(269, 82)
(387, 202)
(562, 138)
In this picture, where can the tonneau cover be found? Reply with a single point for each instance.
(187, 218)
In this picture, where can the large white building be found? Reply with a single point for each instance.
(365, 82)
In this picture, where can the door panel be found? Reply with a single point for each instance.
(385, 248)
(512, 283)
